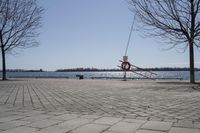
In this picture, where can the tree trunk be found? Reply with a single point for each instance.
(191, 55)
(3, 64)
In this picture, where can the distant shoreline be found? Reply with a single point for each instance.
(119, 70)
(103, 70)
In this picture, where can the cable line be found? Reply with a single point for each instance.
(129, 38)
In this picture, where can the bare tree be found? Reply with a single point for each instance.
(19, 21)
(175, 20)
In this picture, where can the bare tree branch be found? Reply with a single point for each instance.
(19, 21)
(177, 21)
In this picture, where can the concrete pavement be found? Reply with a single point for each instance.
(98, 106)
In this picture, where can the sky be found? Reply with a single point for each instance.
(93, 33)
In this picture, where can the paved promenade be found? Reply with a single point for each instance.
(98, 106)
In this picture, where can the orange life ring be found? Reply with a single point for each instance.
(126, 66)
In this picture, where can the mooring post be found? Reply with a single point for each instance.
(125, 59)
(124, 75)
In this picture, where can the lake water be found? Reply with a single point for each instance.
(88, 75)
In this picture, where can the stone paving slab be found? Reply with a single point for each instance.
(80, 124)
(183, 130)
(65, 117)
(12, 124)
(21, 129)
(157, 125)
(125, 127)
(98, 106)
(44, 123)
(107, 120)
(149, 131)
(91, 128)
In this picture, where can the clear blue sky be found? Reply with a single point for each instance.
(92, 33)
